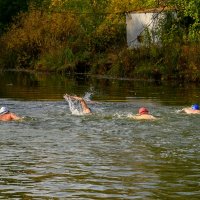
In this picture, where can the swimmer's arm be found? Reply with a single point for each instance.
(76, 98)
(137, 116)
(66, 96)
(152, 117)
(85, 107)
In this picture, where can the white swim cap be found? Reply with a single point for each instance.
(3, 110)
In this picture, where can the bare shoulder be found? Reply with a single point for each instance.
(15, 117)
(145, 117)
(191, 111)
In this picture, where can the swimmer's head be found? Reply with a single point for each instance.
(3, 110)
(143, 111)
(195, 107)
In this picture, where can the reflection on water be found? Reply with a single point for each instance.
(45, 86)
(53, 154)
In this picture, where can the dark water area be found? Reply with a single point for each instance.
(47, 86)
(52, 154)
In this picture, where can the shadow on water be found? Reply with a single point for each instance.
(53, 154)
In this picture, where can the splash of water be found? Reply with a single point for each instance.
(88, 96)
(74, 106)
(130, 115)
(179, 111)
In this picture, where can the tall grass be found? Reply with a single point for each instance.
(37, 34)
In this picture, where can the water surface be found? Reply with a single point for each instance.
(53, 154)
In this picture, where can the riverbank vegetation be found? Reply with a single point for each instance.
(89, 36)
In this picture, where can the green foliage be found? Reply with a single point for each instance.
(38, 33)
(115, 36)
(57, 60)
(38, 4)
(9, 9)
(8, 58)
(189, 18)
(169, 29)
(64, 35)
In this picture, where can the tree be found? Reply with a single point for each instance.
(189, 17)
(10, 8)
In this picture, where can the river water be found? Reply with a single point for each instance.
(53, 154)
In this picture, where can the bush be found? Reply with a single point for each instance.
(39, 33)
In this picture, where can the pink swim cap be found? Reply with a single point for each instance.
(143, 111)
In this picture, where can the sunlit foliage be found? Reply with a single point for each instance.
(37, 33)
(72, 34)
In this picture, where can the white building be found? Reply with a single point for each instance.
(139, 23)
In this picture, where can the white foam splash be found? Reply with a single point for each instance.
(74, 106)
(121, 116)
(179, 111)
(130, 115)
(88, 96)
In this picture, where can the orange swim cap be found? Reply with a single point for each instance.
(143, 111)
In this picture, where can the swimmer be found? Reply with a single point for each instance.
(143, 113)
(85, 108)
(6, 115)
(192, 110)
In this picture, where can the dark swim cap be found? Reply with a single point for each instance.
(195, 107)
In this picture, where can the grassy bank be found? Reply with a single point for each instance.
(89, 37)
